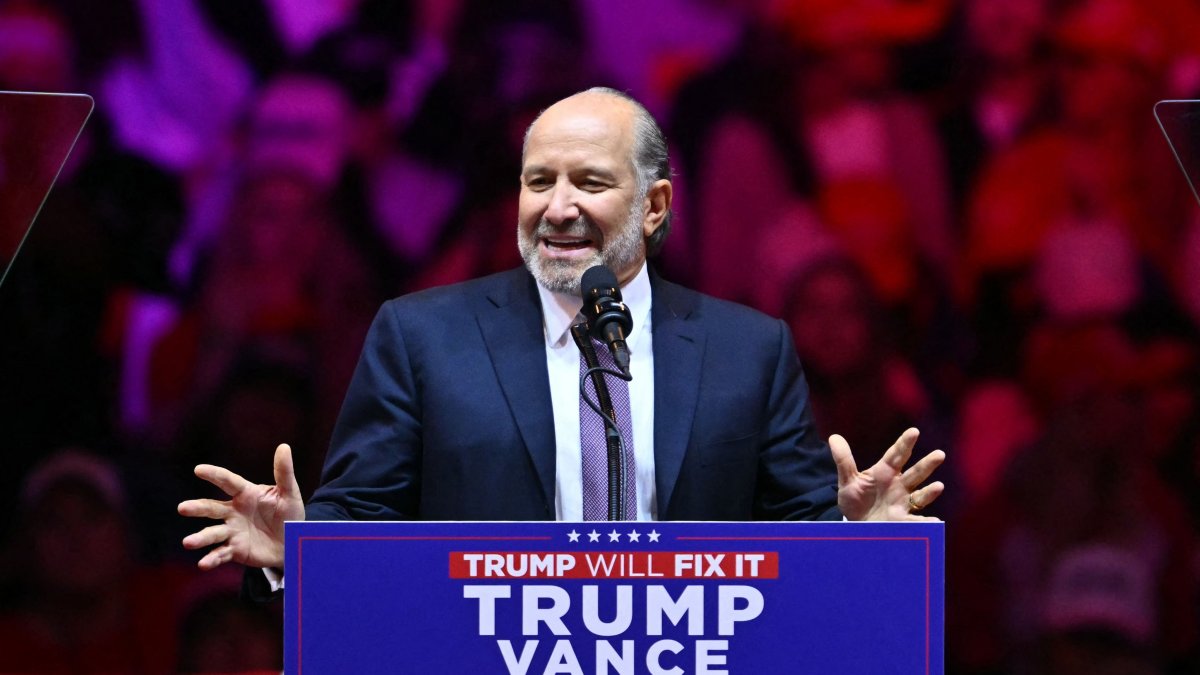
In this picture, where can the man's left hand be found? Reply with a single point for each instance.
(886, 491)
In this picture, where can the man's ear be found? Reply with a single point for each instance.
(657, 206)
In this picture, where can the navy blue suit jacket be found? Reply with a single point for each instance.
(448, 415)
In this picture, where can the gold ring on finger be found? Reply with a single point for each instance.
(912, 503)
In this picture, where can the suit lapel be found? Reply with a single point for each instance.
(678, 354)
(511, 323)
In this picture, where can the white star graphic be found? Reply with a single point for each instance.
(573, 535)
(653, 536)
(593, 536)
(634, 536)
(614, 536)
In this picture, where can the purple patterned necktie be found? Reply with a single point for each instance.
(593, 445)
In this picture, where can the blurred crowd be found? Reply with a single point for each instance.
(964, 209)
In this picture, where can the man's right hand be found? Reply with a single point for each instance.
(252, 529)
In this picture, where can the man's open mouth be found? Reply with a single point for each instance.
(567, 244)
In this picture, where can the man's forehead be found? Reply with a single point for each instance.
(585, 118)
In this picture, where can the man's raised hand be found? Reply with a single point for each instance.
(251, 531)
(886, 491)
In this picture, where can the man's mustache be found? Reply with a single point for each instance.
(580, 227)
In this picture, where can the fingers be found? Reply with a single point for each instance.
(285, 472)
(843, 458)
(897, 455)
(205, 508)
(229, 482)
(922, 470)
(216, 557)
(247, 504)
(214, 534)
(926, 495)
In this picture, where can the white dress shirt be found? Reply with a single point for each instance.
(560, 311)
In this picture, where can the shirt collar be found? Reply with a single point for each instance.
(561, 310)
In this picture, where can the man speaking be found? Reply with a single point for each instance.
(466, 403)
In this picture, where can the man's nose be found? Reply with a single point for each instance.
(562, 208)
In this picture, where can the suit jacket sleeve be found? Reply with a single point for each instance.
(372, 471)
(797, 478)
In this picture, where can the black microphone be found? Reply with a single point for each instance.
(607, 317)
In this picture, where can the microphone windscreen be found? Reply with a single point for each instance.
(596, 277)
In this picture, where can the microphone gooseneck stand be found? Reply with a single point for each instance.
(604, 408)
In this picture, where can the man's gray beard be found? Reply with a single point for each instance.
(561, 276)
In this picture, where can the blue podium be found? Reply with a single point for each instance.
(614, 598)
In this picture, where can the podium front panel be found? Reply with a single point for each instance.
(638, 597)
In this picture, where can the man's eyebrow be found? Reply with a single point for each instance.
(597, 172)
(592, 171)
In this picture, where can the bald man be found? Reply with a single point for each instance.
(465, 403)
